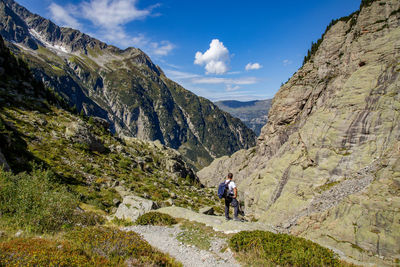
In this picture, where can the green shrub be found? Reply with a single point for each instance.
(121, 222)
(155, 218)
(42, 252)
(118, 247)
(266, 248)
(88, 218)
(35, 201)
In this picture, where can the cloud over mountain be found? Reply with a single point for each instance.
(109, 18)
(215, 59)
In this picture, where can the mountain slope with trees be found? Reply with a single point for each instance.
(122, 86)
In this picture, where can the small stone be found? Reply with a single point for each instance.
(116, 202)
(19, 233)
(207, 210)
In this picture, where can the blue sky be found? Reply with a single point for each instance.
(220, 49)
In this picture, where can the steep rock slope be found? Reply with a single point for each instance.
(253, 113)
(38, 130)
(122, 86)
(326, 165)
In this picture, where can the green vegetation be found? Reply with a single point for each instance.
(327, 186)
(314, 46)
(260, 248)
(155, 218)
(366, 3)
(198, 234)
(57, 176)
(118, 247)
(91, 246)
(34, 202)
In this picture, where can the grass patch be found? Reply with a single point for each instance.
(198, 234)
(261, 248)
(155, 218)
(42, 252)
(118, 247)
(90, 246)
(121, 222)
(327, 186)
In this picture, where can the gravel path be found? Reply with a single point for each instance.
(164, 239)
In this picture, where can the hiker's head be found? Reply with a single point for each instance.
(230, 175)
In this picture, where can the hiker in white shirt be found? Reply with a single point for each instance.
(231, 198)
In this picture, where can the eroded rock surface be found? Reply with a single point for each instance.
(326, 164)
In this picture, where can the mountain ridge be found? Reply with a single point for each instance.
(253, 113)
(125, 87)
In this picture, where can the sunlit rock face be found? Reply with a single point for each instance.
(327, 163)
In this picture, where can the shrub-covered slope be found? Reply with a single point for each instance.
(122, 86)
(37, 131)
(326, 165)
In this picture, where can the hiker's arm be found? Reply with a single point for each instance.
(235, 192)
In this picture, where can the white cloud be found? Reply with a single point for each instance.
(177, 75)
(215, 80)
(62, 16)
(253, 66)
(112, 13)
(231, 88)
(287, 62)
(162, 48)
(215, 59)
(109, 18)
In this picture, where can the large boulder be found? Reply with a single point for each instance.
(78, 132)
(133, 206)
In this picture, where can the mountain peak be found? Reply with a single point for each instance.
(123, 86)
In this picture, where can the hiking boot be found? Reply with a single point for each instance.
(238, 219)
(228, 219)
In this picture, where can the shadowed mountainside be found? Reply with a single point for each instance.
(123, 86)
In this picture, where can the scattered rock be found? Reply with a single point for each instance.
(41, 122)
(102, 123)
(116, 202)
(79, 133)
(207, 210)
(19, 233)
(133, 206)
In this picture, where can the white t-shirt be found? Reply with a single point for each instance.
(231, 186)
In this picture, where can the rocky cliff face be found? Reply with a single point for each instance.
(326, 165)
(122, 86)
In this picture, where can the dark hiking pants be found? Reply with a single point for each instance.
(235, 204)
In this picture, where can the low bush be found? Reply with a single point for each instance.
(155, 218)
(35, 202)
(266, 248)
(42, 252)
(118, 247)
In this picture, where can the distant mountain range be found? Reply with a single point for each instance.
(123, 86)
(253, 113)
